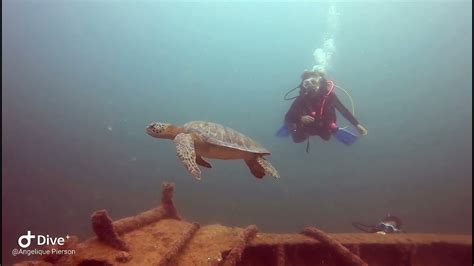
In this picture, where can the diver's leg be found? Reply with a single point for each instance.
(325, 134)
(321, 131)
(298, 135)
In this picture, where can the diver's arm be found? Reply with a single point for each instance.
(344, 111)
(293, 116)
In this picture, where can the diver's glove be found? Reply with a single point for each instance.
(362, 130)
(306, 119)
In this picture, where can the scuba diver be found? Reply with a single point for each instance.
(313, 112)
(389, 224)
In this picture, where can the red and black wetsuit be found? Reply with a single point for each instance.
(307, 105)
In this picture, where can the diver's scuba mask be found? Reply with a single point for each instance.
(311, 85)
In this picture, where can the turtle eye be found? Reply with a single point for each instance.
(154, 127)
(159, 128)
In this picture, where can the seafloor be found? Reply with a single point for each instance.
(160, 237)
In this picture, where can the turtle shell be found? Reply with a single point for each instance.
(224, 136)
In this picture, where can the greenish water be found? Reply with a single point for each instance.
(82, 79)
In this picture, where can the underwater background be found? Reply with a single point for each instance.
(82, 79)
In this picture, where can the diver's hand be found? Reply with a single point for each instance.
(362, 130)
(292, 126)
(306, 119)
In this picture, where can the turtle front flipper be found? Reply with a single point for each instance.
(202, 162)
(186, 153)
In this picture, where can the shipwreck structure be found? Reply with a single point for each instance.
(161, 237)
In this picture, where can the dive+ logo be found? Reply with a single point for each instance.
(40, 240)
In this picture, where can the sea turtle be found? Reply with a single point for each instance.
(198, 139)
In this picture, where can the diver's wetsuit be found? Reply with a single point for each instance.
(304, 105)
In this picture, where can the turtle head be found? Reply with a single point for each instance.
(162, 130)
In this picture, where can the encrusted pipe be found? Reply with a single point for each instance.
(179, 245)
(167, 201)
(105, 231)
(354, 249)
(348, 257)
(129, 224)
(407, 253)
(166, 210)
(235, 254)
(108, 231)
(280, 255)
(61, 258)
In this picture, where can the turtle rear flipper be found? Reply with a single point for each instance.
(202, 162)
(268, 167)
(261, 167)
(255, 168)
(186, 153)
